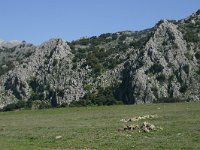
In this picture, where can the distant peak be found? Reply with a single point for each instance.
(162, 22)
(9, 44)
(11, 41)
(57, 44)
(54, 41)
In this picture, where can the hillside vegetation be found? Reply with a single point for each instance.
(131, 67)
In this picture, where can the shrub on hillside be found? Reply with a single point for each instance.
(38, 104)
(161, 78)
(197, 55)
(186, 68)
(171, 100)
(156, 68)
(5, 67)
(14, 106)
(183, 88)
(104, 96)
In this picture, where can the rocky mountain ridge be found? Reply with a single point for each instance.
(135, 67)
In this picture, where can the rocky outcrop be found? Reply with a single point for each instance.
(161, 69)
(46, 75)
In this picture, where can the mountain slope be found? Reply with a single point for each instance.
(133, 67)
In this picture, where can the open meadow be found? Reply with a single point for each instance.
(74, 128)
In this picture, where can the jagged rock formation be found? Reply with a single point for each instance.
(141, 67)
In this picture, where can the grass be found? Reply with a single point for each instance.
(96, 128)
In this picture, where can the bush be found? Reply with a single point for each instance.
(55, 62)
(13, 106)
(64, 105)
(198, 71)
(122, 47)
(80, 103)
(189, 56)
(83, 41)
(171, 100)
(105, 96)
(6, 67)
(114, 36)
(156, 68)
(112, 63)
(122, 37)
(183, 88)
(191, 37)
(38, 104)
(9, 107)
(161, 78)
(197, 55)
(139, 43)
(186, 68)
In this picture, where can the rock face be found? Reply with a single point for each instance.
(159, 69)
(45, 75)
(141, 67)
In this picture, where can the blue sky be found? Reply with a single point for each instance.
(36, 21)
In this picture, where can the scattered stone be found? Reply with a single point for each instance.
(131, 127)
(146, 127)
(128, 135)
(124, 120)
(58, 137)
(137, 118)
(178, 134)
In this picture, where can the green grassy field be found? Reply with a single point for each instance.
(96, 128)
